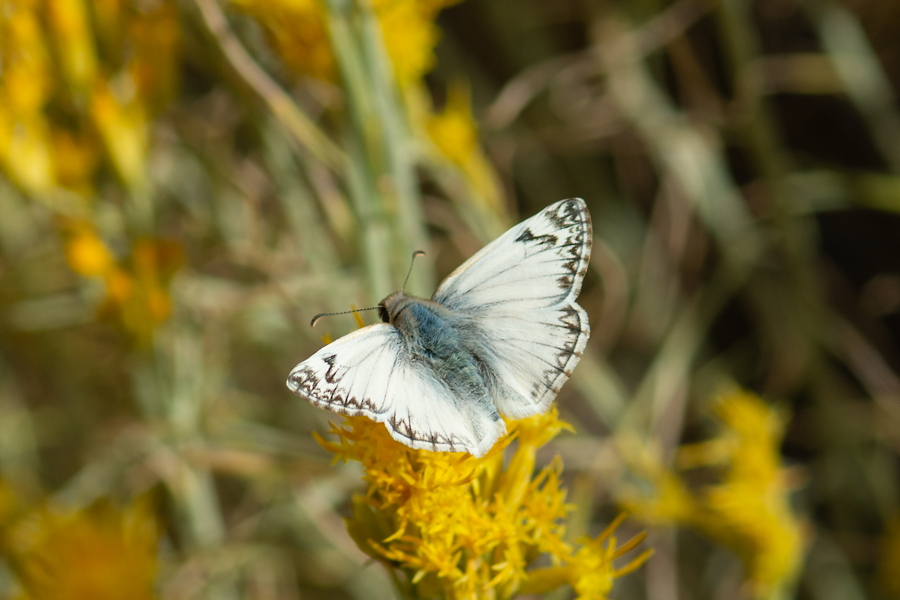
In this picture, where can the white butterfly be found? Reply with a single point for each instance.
(501, 333)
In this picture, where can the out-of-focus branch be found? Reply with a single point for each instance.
(857, 65)
(866, 362)
(301, 128)
(648, 38)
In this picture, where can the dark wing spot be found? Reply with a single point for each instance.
(331, 374)
(528, 236)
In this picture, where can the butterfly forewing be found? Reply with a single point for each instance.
(519, 295)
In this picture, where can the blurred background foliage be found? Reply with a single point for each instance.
(186, 183)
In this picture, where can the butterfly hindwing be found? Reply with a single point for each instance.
(430, 416)
(369, 373)
(518, 294)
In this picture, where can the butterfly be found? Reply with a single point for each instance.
(501, 335)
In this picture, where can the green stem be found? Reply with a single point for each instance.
(384, 187)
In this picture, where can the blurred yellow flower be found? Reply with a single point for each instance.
(454, 133)
(749, 511)
(58, 117)
(298, 31)
(137, 293)
(136, 290)
(25, 87)
(71, 33)
(410, 34)
(453, 130)
(87, 254)
(27, 71)
(26, 153)
(122, 124)
(461, 527)
(99, 553)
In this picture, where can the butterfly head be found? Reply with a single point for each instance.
(390, 307)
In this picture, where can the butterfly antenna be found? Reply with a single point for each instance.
(316, 318)
(408, 273)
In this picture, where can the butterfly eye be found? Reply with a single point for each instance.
(383, 313)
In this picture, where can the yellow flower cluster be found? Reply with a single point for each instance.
(78, 80)
(298, 31)
(99, 553)
(749, 510)
(459, 527)
(136, 291)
